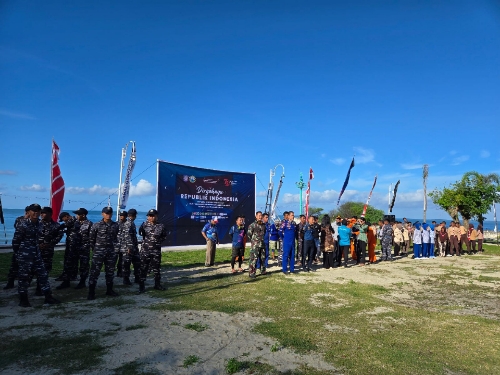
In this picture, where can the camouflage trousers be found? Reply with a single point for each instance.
(84, 259)
(100, 256)
(150, 258)
(133, 258)
(71, 255)
(47, 256)
(31, 262)
(257, 253)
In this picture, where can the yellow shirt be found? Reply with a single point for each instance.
(462, 230)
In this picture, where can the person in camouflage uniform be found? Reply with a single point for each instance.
(73, 243)
(49, 238)
(255, 233)
(104, 242)
(386, 236)
(84, 250)
(25, 243)
(130, 249)
(153, 234)
(121, 223)
(14, 267)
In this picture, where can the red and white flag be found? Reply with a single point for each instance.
(56, 185)
(308, 192)
(311, 174)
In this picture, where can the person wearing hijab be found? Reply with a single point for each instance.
(472, 237)
(398, 238)
(417, 241)
(432, 233)
(442, 241)
(372, 243)
(426, 240)
(480, 238)
(327, 244)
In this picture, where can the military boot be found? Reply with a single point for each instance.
(126, 281)
(110, 291)
(142, 288)
(38, 291)
(24, 300)
(10, 284)
(65, 284)
(81, 284)
(91, 295)
(50, 300)
(158, 285)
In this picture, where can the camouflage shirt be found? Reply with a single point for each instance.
(127, 236)
(104, 235)
(85, 227)
(27, 236)
(72, 229)
(255, 234)
(153, 234)
(18, 221)
(52, 233)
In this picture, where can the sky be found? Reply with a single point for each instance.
(244, 86)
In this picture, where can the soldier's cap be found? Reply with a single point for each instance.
(132, 212)
(152, 212)
(107, 210)
(46, 210)
(215, 219)
(63, 214)
(123, 213)
(81, 211)
(26, 209)
(34, 207)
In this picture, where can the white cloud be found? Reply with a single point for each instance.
(323, 155)
(338, 161)
(142, 188)
(262, 193)
(412, 166)
(485, 154)
(453, 152)
(34, 187)
(460, 159)
(364, 155)
(8, 172)
(22, 116)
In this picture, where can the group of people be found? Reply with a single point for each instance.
(111, 242)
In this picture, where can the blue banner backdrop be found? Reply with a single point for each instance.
(188, 197)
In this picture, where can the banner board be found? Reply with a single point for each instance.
(188, 197)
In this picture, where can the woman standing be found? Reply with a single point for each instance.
(345, 240)
(327, 242)
(480, 237)
(417, 241)
(442, 241)
(398, 238)
(472, 237)
(372, 243)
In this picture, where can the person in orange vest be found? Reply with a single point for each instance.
(355, 232)
(372, 243)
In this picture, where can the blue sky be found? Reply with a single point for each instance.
(244, 86)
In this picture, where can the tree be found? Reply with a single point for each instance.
(350, 209)
(316, 211)
(471, 197)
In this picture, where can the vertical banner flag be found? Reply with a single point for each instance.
(346, 181)
(128, 176)
(495, 216)
(308, 191)
(189, 197)
(394, 196)
(2, 221)
(56, 185)
(369, 197)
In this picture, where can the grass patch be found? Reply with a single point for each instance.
(136, 326)
(134, 368)
(116, 302)
(489, 279)
(68, 354)
(190, 360)
(197, 326)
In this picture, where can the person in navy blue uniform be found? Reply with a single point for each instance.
(237, 233)
(267, 236)
(289, 234)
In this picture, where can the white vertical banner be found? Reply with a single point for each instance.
(495, 216)
(125, 191)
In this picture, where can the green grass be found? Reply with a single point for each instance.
(197, 326)
(233, 366)
(190, 360)
(134, 368)
(136, 326)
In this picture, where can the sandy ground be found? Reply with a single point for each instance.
(163, 343)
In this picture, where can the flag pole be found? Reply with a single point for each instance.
(2, 219)
(124, 155)
(51, 172)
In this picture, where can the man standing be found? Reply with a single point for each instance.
(300, 240)
(49, 238)
(337, 254)
(265, 220)
(129, 247)
(255, 233)
(280, 254)
(209, 232)
(288, 233)
(464, 240)
(274, 239)
(386, 240)
(14, 267)
(238, 233)
(26, 245)
(362, 241)
(153, 234)
(104, 241)
(84, 251)
(121, 223)
(73, 244)
(453, 234)
(309, 245)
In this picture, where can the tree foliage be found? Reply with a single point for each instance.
(350, 209)
(315, 211)
(471, 197)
